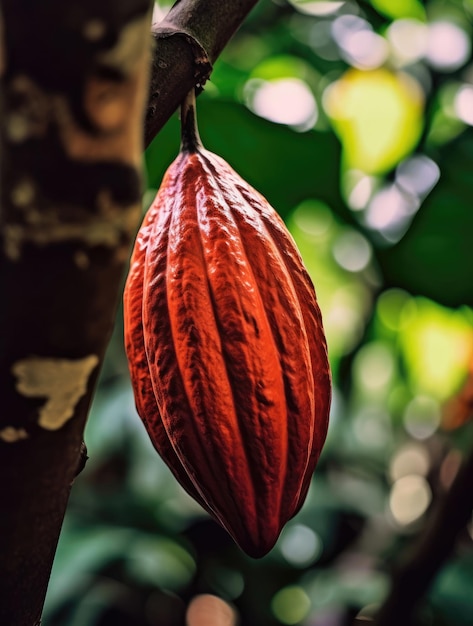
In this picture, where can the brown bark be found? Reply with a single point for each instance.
(418, 567)
(74, 76)
(189, 41)
(72, 110)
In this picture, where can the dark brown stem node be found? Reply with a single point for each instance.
(83, 458)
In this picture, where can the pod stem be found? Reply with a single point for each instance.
(190, 139)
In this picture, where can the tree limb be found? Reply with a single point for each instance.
(189, 41)
(417, 570)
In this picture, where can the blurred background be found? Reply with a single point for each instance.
(355, 120)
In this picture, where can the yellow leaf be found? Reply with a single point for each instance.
(437, 344)
(377, 115)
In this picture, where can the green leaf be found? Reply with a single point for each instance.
(451, 594)
(161, 152)
(160, 562)
(434, 257)
(81, 554)
(400, 8)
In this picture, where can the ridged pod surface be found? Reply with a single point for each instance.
(226, 347)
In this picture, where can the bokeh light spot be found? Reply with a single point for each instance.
(209, 610)
(418, 175)
(322, 42)
(374, 366)
(372, 427)
(365, 49)
(448, 46)
(422, 417)
(352, 251)
(300, 545)
(408, 39)
(360, 187)
(409, 499)
(390, 212)
(463, 104)
(358, 44)
(390, 307)
(410, 459)
(291, 605)
(284, 101)
(317, 7)
(343, 319)
(160, 561)
(345, 25)
(314, 218)
(226, 581)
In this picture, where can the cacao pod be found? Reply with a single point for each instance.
(226, 347)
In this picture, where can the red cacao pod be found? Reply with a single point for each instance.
(226, 347)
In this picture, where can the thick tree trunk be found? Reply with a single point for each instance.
(74, 78)
(74, 84)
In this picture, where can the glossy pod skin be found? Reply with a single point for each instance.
(226, 347)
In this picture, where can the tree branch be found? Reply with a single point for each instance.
(417, 570)
(189, 41)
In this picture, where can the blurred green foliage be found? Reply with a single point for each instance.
(354, 120)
